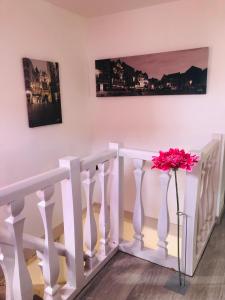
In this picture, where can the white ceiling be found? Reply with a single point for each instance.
(94, 8)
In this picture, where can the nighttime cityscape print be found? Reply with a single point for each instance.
(42, 92)
(170, 73)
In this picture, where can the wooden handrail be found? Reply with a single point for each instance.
(96, 159)
(28, 186)
(137, 154)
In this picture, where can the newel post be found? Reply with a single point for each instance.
(189, 228)
(72, 215)
(116, 197)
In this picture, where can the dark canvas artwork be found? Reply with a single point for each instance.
(42, 92)
(169, 73)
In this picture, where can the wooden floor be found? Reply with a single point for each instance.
(128, 278)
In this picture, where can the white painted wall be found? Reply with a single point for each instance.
(37, 29)
(159, 122)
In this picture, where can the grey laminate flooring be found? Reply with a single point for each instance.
(128, 278)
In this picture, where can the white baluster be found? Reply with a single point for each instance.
(116, 197)
(212, 198)
(138, 214)
(205, 204)
(202, 206)
(90, 228)
(104, 212)
(209, 199)
(22, 285)
(199, 210)
(163, 220)
(7, 263)
(50, 256)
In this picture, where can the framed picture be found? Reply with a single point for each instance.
(169, 73)
(42, 92)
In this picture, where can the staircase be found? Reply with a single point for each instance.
(202, 195)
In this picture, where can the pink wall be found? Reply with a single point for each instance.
(37, 29)
(161, 121)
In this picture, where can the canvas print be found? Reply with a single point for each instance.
(42, 92)
(168, 73)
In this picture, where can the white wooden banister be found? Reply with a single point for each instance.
(96, 159)
(137, 154)
(22, 286)
(203, 187)
(104, 225)
(200, 203)
(72, 212)
(138, 214)
(50, 255)
(90, 227)
(136, 247)
(163, 220)
(31, 185)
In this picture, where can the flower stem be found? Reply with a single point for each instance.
(178, 227)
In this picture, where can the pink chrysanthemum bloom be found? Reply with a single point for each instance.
(174, 159)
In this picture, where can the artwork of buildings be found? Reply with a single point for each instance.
(127, 77)
(42, 92)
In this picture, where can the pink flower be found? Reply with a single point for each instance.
(174, 159)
